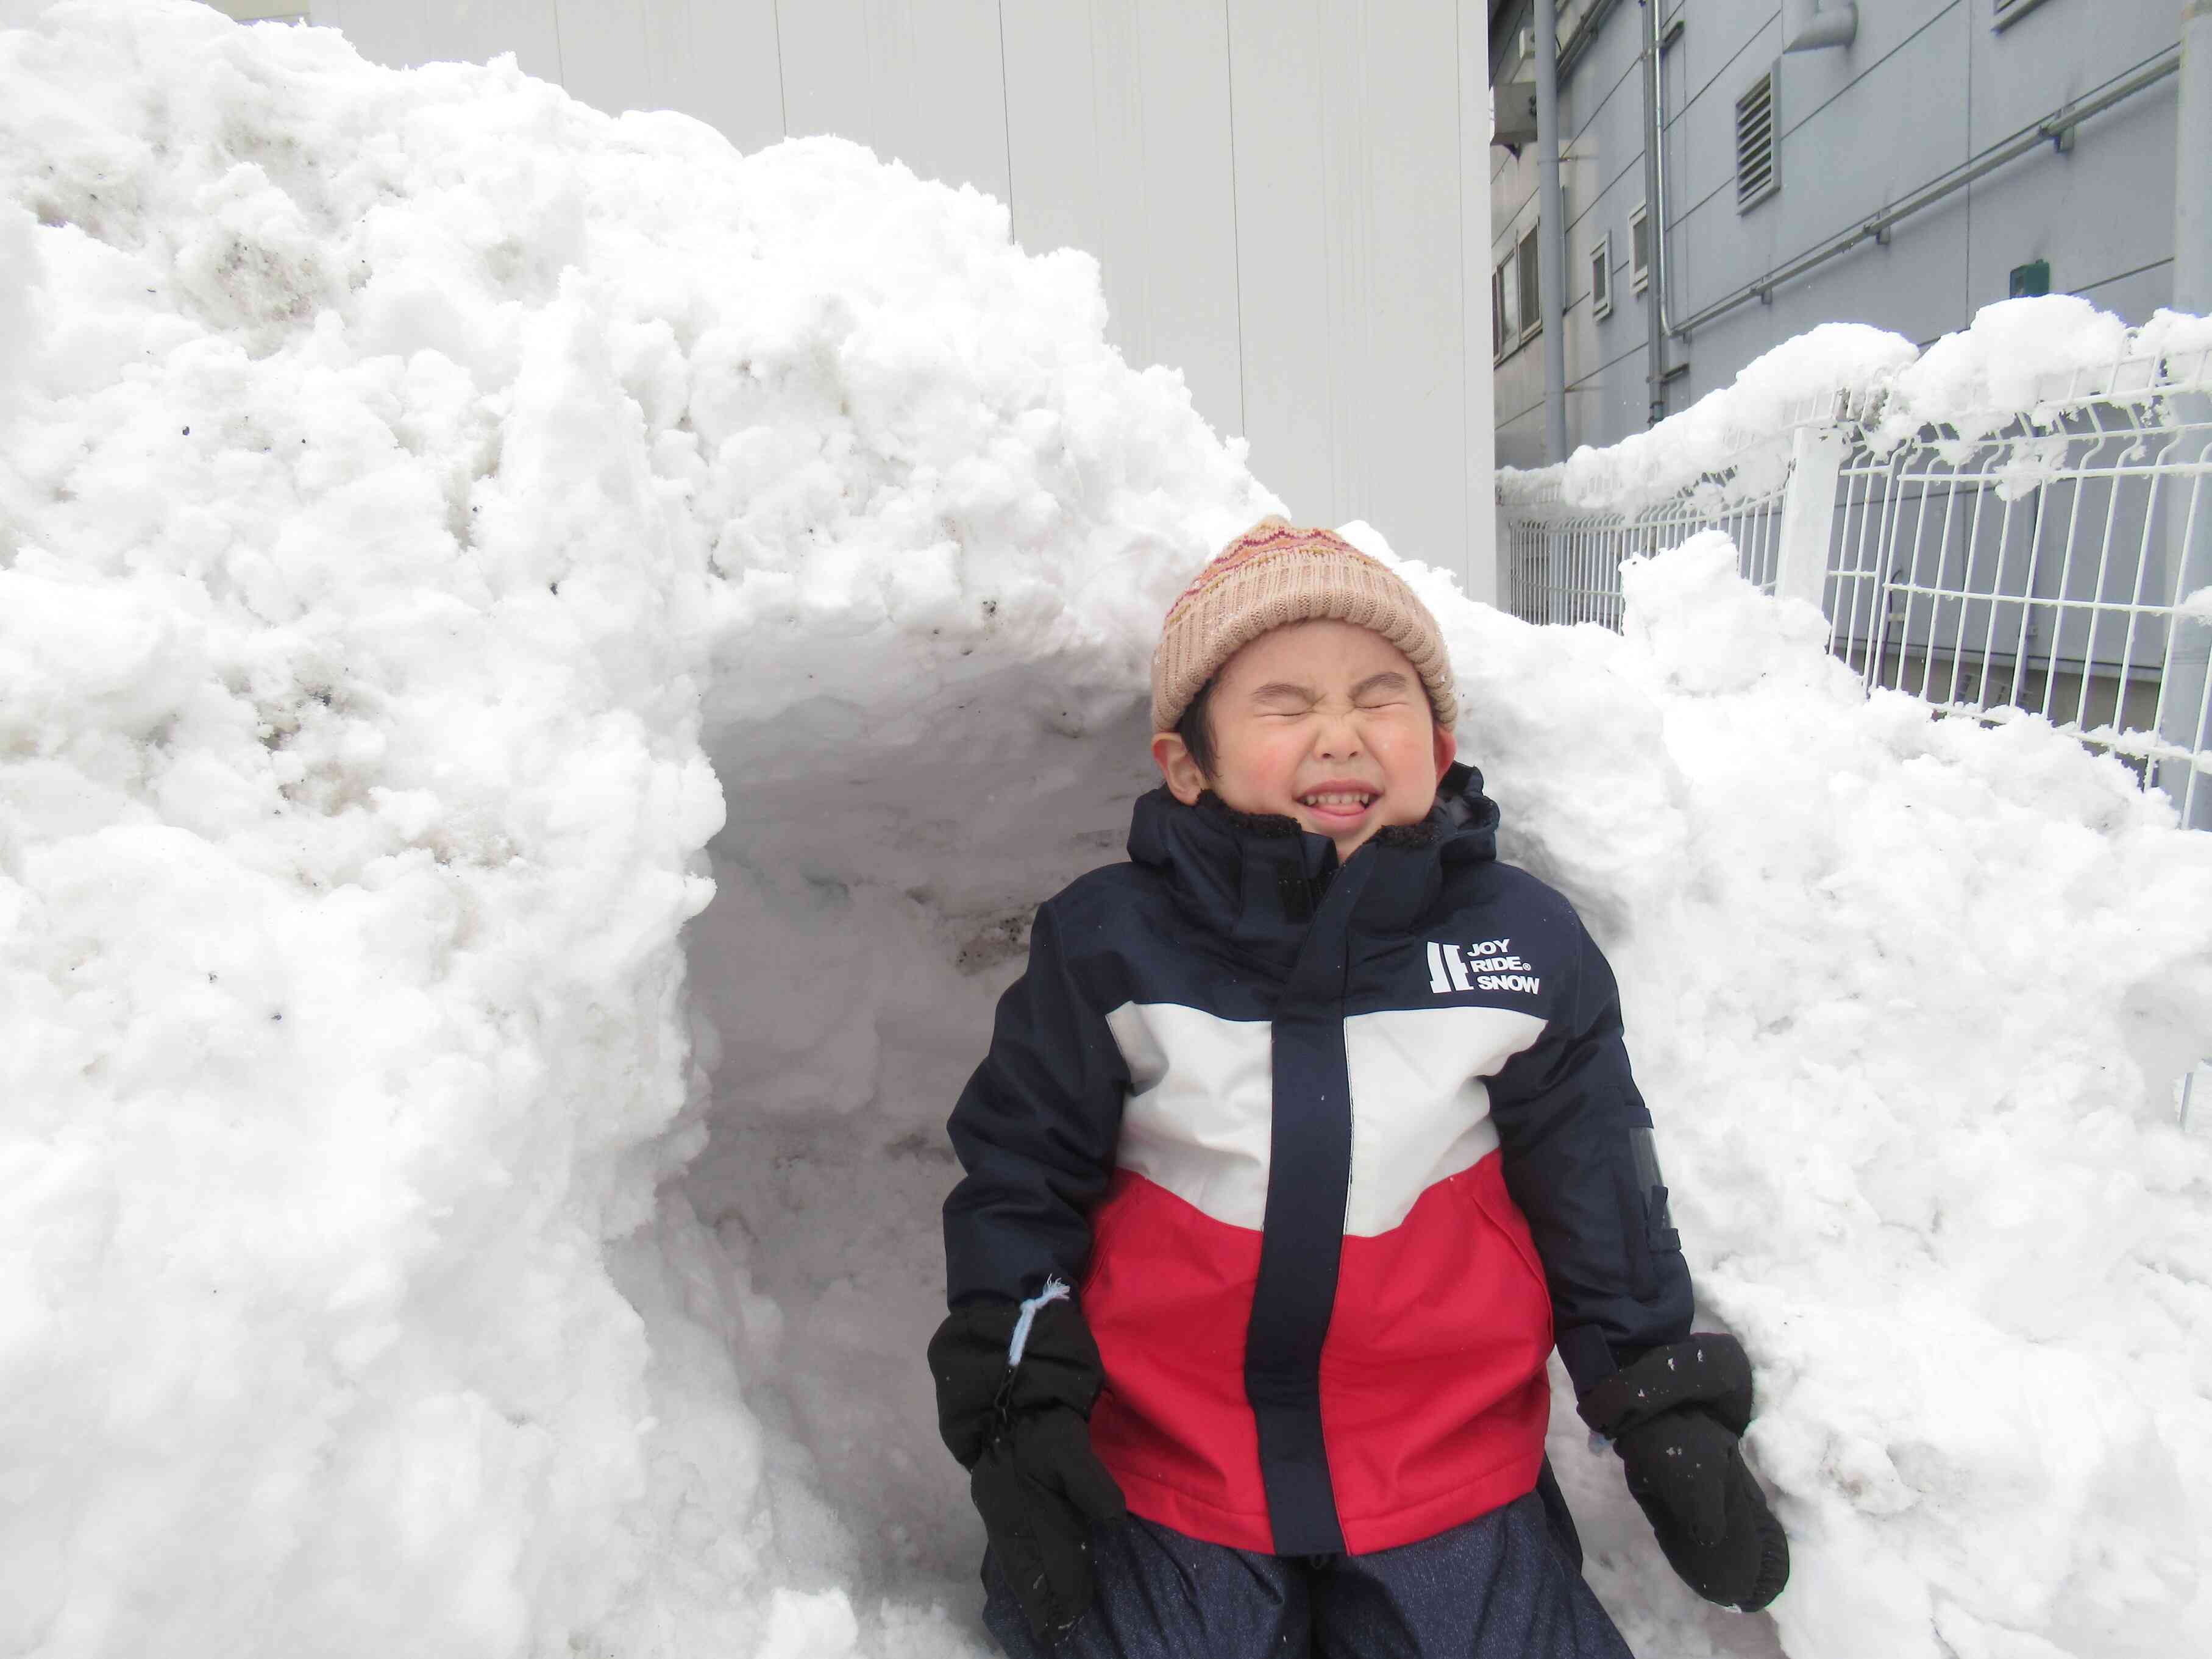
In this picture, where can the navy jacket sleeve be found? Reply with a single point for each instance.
(1579, 1161)
(1035, 1130)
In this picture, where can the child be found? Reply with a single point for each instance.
(1304, 1138)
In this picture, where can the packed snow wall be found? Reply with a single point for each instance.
(543, 664)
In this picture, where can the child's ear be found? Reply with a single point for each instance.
(1447, 747)
(1185, 781)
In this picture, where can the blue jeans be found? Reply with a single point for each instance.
(1502, 1586)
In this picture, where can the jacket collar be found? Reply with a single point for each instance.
(1258, 877)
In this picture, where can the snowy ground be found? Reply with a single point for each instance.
(542, 663)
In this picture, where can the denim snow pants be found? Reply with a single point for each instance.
(1500, 1587)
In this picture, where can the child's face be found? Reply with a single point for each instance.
(1324, 722)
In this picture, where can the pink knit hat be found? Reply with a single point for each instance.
(1275, 573)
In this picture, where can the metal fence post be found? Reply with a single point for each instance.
(2185, 697)
(1808, 514)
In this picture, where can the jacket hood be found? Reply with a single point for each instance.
(1258, 877)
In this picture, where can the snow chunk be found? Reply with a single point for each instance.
(1744, 425)
(2017, 355)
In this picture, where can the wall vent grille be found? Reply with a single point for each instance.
(1757, 142)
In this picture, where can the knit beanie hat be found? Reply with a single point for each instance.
(1276, 574)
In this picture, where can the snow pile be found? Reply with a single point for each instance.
(432, 512)
(2018, 358)
(1909, 998)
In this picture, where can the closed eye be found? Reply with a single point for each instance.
(1381, 691)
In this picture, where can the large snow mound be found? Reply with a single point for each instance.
(543, 664)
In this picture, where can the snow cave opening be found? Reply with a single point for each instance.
(874, 881)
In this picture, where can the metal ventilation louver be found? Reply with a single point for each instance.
(1757, 176)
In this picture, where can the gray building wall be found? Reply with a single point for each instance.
(1927, 85)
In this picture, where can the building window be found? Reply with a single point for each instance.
(1505, 292)
(1497, 312)
(1532, 310)
(1601, 276)
(1639, 248)
(1758, 142)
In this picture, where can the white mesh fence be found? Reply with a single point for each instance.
(2054, 561)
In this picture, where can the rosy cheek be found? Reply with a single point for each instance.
(1280, 767)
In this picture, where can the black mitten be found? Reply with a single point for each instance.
(1023, 1431)
(1676, 1416)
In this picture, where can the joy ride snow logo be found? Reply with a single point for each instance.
(1486, 966)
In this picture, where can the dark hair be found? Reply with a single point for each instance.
(1197, 732)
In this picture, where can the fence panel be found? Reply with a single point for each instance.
(2040, 560)
(2035, 569)
(1563, 565)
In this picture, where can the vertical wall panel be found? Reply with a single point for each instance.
(238, 12)
(916, 80)
(1393, 176)
(716, 59)
(1055, 129)
(1479, 571)
(1346, 248)
(1277, 93)
(1354, 355)
(1118, 124)
(1189, 208)
(825, 78)
(477, 31)
(405, 33)
(394, 33)
(603, 55)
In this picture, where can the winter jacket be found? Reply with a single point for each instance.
(1328, 1152)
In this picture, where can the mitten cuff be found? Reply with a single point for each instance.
(983, 1372)
(1589, 1358)
(1707, 1370)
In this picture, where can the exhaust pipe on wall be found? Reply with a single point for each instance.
(1810, 25)
(1552, 273)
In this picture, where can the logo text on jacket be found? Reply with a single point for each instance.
(1486, 965)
